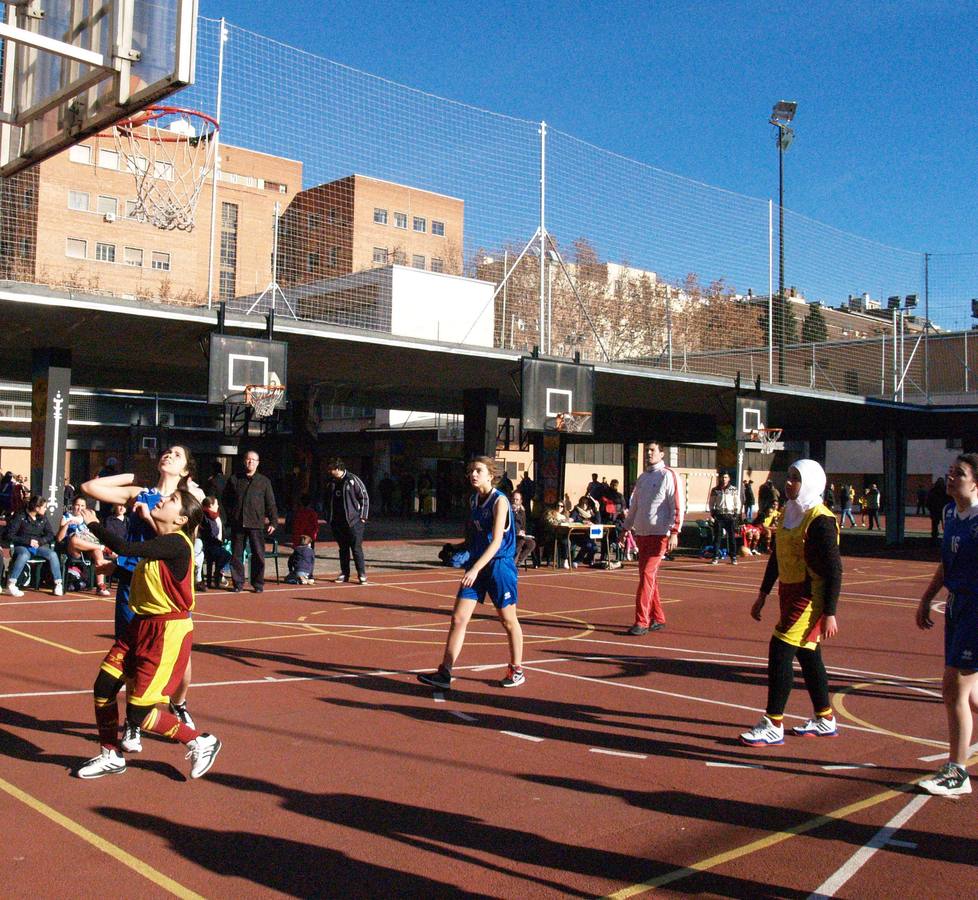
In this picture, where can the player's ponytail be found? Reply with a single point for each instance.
(191, 508)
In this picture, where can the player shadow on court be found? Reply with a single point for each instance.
(766, 818)
(462, 838)
(295, 868)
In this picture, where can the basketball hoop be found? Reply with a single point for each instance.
(169, 151)
(572, 422)
(768, 438)
(263, 398)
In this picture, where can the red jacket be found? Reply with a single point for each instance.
(304, 521)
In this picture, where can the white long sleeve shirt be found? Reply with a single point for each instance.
(656, 504)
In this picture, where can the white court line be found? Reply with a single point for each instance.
(465, 717)
(438, 697)
(909, 845)
(936, 756)
(841, 766)
(834, 883)
(523, 737)
(732, 765)
(617, 753)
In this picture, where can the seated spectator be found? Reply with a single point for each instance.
(115, 522)
(6, 492)
(216, 555)
(79, 542)
(553, 518)
(305, 521)
(525, 543)
(767, 522)
(301, 562)
(750, 535)
(585, 515)
(31, 535)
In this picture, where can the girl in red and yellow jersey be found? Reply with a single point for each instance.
(806, 564)
(152, 656)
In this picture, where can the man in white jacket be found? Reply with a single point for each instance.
(655, 515)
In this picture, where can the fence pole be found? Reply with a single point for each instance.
(926, 327)
(222, 40)
(543, 233)
(770, 292)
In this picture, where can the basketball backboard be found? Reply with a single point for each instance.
(751, 416)
(236, 362)
(73, 68)
(551, 390)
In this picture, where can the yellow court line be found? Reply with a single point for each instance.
(100, 843)
(40, 640)
(839, 703)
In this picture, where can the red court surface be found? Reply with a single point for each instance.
(614, 770)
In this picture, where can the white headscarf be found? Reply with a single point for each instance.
(812, 490)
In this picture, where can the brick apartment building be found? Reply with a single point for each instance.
(357, 223)
(70, 222)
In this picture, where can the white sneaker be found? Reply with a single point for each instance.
(14, 590)
(183, 714)
(59, 589)
(950, 781)
(202, 752)
(820, 726)
(132, 741)
(764, 732)
(108, 762)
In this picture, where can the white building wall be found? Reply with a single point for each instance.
(441, 307)
(926, 457)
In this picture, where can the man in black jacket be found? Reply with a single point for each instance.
(347, 508)
(252, 514)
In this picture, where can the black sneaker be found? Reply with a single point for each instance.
(657, 626)
(341, 579)
(514, 678)
(950, 781)
(439, 679)
(637, 630)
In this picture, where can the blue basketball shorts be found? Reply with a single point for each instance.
(498, 580)
(961, 633)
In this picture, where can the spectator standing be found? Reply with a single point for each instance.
(348, 510)
(69, 493)
(527, 487)
(525, 543)
(252, 515)
(6, 491)
(386, 488)
(505, 484)
(406, 483)
(723, 508)
(748, 499)
(211, 531)
(215, 485)
(828, 498)
(872, 503)
(655, 514)
(767, 496)
(921, 509)
(847, 495)
(305, 521)
(937, 500)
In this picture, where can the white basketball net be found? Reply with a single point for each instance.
(263, 398)
(169, 152)
(769, 438)
(573, 422)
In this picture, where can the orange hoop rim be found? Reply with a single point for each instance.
(152, 113)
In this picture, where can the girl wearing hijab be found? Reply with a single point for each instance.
(805, 562)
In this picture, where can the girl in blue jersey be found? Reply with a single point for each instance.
(491, 542)
(175, 468)
(958, 572)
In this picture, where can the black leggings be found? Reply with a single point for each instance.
(781, 676)
(108, 687)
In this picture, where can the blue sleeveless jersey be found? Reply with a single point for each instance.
(137, 528)
(959, 552)
(480, 526)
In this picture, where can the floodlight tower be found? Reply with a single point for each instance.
(781, 115)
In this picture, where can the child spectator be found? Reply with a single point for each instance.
(301, 562)
(305, 521)
(216, 556)
(80, 542)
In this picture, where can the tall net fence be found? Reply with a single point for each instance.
(344, 198)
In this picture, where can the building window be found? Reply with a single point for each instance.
(334, 256)
(108, 159)
(79, 200)
(380, 255)
(312, 262)
(229, 250)
(105, 252)
(163, 171)
(133, 212)
(161, 261)
(312, 221)
(107, 206)
(133, 256)
(400, 258)
(400, 220)
(380, 216)
(417, 261)
(76, 248)
(437, 265)
(331, 216)
(437, 228)
(420, 223)
(80, 153)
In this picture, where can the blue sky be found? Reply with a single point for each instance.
(886, 127)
